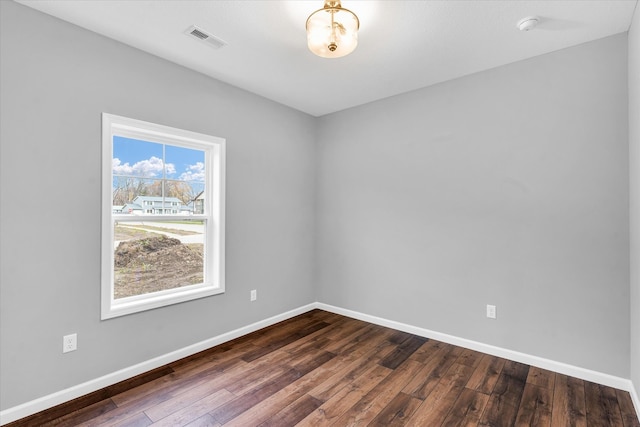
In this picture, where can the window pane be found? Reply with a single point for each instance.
(189, 166)
(181, 194)
(136, 158)
(133, 194)
(152, 256)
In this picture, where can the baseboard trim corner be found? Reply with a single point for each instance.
(46, 402)
(635, 399)
(29, 408)
(563, 368)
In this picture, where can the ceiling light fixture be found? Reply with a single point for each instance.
(528, 23)
(332, 31)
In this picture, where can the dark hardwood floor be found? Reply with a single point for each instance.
(322, 369)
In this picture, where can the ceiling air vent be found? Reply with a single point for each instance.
(202, 35)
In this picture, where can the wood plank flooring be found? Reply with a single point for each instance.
(322, 369)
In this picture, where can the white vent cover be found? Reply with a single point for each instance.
(202, 35)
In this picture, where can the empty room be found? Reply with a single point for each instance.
(346, 213)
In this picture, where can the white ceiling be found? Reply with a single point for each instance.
(403, 45)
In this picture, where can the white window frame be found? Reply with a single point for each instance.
(213, 216)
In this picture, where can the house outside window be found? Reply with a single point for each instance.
(198, 203)
(165, 253)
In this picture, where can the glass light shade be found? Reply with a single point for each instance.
(332, 32)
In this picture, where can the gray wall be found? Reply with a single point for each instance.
(507, 187)
(634, 158)
(56, 81)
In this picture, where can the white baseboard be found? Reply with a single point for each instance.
(636, 399)
(563, 368)
(49, 401)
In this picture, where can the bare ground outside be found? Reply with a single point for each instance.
(148, 262)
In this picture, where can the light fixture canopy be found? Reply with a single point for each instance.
(332, 31)
(528, 23)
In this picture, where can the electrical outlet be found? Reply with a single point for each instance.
(491, 311)
(254, 295)
(69, 343)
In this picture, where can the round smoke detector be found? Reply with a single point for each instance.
(528, 23)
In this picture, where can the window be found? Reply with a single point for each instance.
(154, 255)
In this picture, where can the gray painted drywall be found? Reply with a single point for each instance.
(634, 202)
(506, 187)
(56, 80)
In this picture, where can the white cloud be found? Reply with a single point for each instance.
(193, 173)
(145, 168)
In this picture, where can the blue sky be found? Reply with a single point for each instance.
(133, 157)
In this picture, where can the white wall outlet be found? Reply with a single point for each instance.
(69, 343)
(254, 295)
(491, 311)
